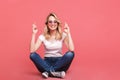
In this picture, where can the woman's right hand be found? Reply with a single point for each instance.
(34, 28)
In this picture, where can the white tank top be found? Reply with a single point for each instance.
(52, 48)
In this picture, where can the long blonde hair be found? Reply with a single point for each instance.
(47, 30)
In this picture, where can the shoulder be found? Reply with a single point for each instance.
(41, 37)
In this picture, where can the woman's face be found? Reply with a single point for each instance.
(52, 23)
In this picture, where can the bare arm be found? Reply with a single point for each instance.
(68, 40)
(34, 45)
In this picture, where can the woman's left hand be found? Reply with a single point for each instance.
(66, 28)
(68, 39)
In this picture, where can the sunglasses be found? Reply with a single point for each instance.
(50, 22)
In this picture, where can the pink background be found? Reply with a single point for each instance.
(95, 28)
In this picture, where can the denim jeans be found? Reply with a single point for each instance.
(52, 63)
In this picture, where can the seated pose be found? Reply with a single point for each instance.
(54, 63)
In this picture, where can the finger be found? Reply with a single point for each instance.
(66, 25)
(34, 26)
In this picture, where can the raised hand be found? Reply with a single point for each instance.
(66, 28)
(34, 28)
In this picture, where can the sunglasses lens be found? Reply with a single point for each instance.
(52, 22)
(49, 21)
(55, 21)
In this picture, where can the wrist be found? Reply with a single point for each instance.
(33, 33)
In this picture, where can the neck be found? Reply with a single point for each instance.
(53, 32)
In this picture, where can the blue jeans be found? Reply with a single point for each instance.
(52, 63)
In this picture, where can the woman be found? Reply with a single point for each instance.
(54, 63)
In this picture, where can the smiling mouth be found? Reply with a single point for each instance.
(53, 26)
